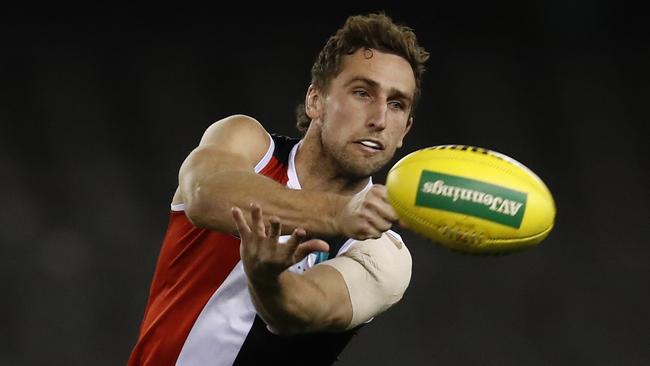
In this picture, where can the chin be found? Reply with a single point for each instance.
(364, 170)
(357, 167)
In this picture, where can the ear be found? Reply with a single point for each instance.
(407, 128)
(313, 102)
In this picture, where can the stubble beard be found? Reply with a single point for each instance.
(344, 164)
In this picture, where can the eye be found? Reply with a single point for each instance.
(360, 93)
(395, 104)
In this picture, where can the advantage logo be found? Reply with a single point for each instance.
(471, 197)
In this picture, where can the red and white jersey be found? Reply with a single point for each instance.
(199, 311)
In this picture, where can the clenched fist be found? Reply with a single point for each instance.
(367, 214)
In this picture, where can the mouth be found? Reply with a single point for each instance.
(371, 144)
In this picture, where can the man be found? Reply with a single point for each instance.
(229, 287)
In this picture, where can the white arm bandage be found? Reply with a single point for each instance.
(376, 272)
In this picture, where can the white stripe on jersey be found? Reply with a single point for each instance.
(228, 316)
(225, 321)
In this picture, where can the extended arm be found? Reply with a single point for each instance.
(349, 290)
(219, 174)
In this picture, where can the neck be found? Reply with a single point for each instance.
(317, 171)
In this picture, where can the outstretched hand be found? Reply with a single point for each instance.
(263, 257)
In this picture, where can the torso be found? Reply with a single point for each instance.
(199, 310)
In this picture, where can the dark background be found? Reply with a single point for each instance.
(99, 106)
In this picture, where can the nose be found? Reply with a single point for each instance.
(377, 116)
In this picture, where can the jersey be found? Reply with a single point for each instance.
(199, 311)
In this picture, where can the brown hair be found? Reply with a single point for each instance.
(375, 31)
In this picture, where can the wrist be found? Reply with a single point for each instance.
(335, 207)
(260, 277)
(270, 289)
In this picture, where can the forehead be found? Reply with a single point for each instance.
(388, 70)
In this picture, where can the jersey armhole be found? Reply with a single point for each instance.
(267, 157)
(258, 168)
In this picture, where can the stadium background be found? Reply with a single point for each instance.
(99, 106)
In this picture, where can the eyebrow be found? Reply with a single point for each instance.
(392, 91)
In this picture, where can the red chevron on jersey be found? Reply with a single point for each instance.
(193, 264)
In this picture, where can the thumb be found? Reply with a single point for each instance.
(313, 245)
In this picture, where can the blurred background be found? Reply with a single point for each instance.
(99, 107)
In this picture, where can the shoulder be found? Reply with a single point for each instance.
(237, 126)
(236, 135)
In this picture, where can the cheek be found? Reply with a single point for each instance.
(339, 110)
(343, 106)
(397, 131)
(337, 118)
(397, 125)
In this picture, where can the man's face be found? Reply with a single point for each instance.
(364, 115)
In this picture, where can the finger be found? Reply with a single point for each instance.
(240, 221)
(309, 246)
(296, 238)
(274, 229)
(365, 231)
(258, 220)
(376, 223)
(385, 211)
(380, 191)
(403, 224)
(373, 232)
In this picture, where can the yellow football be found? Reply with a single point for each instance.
(471, 199)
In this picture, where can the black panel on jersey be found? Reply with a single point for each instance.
(283, 146)
(335, 242)
(262, 347)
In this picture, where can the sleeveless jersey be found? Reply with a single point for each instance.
(199, 311)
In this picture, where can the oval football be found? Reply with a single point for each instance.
(471, 199)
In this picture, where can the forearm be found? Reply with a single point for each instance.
(209, 200)
(294, 304)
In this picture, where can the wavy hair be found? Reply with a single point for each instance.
(373, 31)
